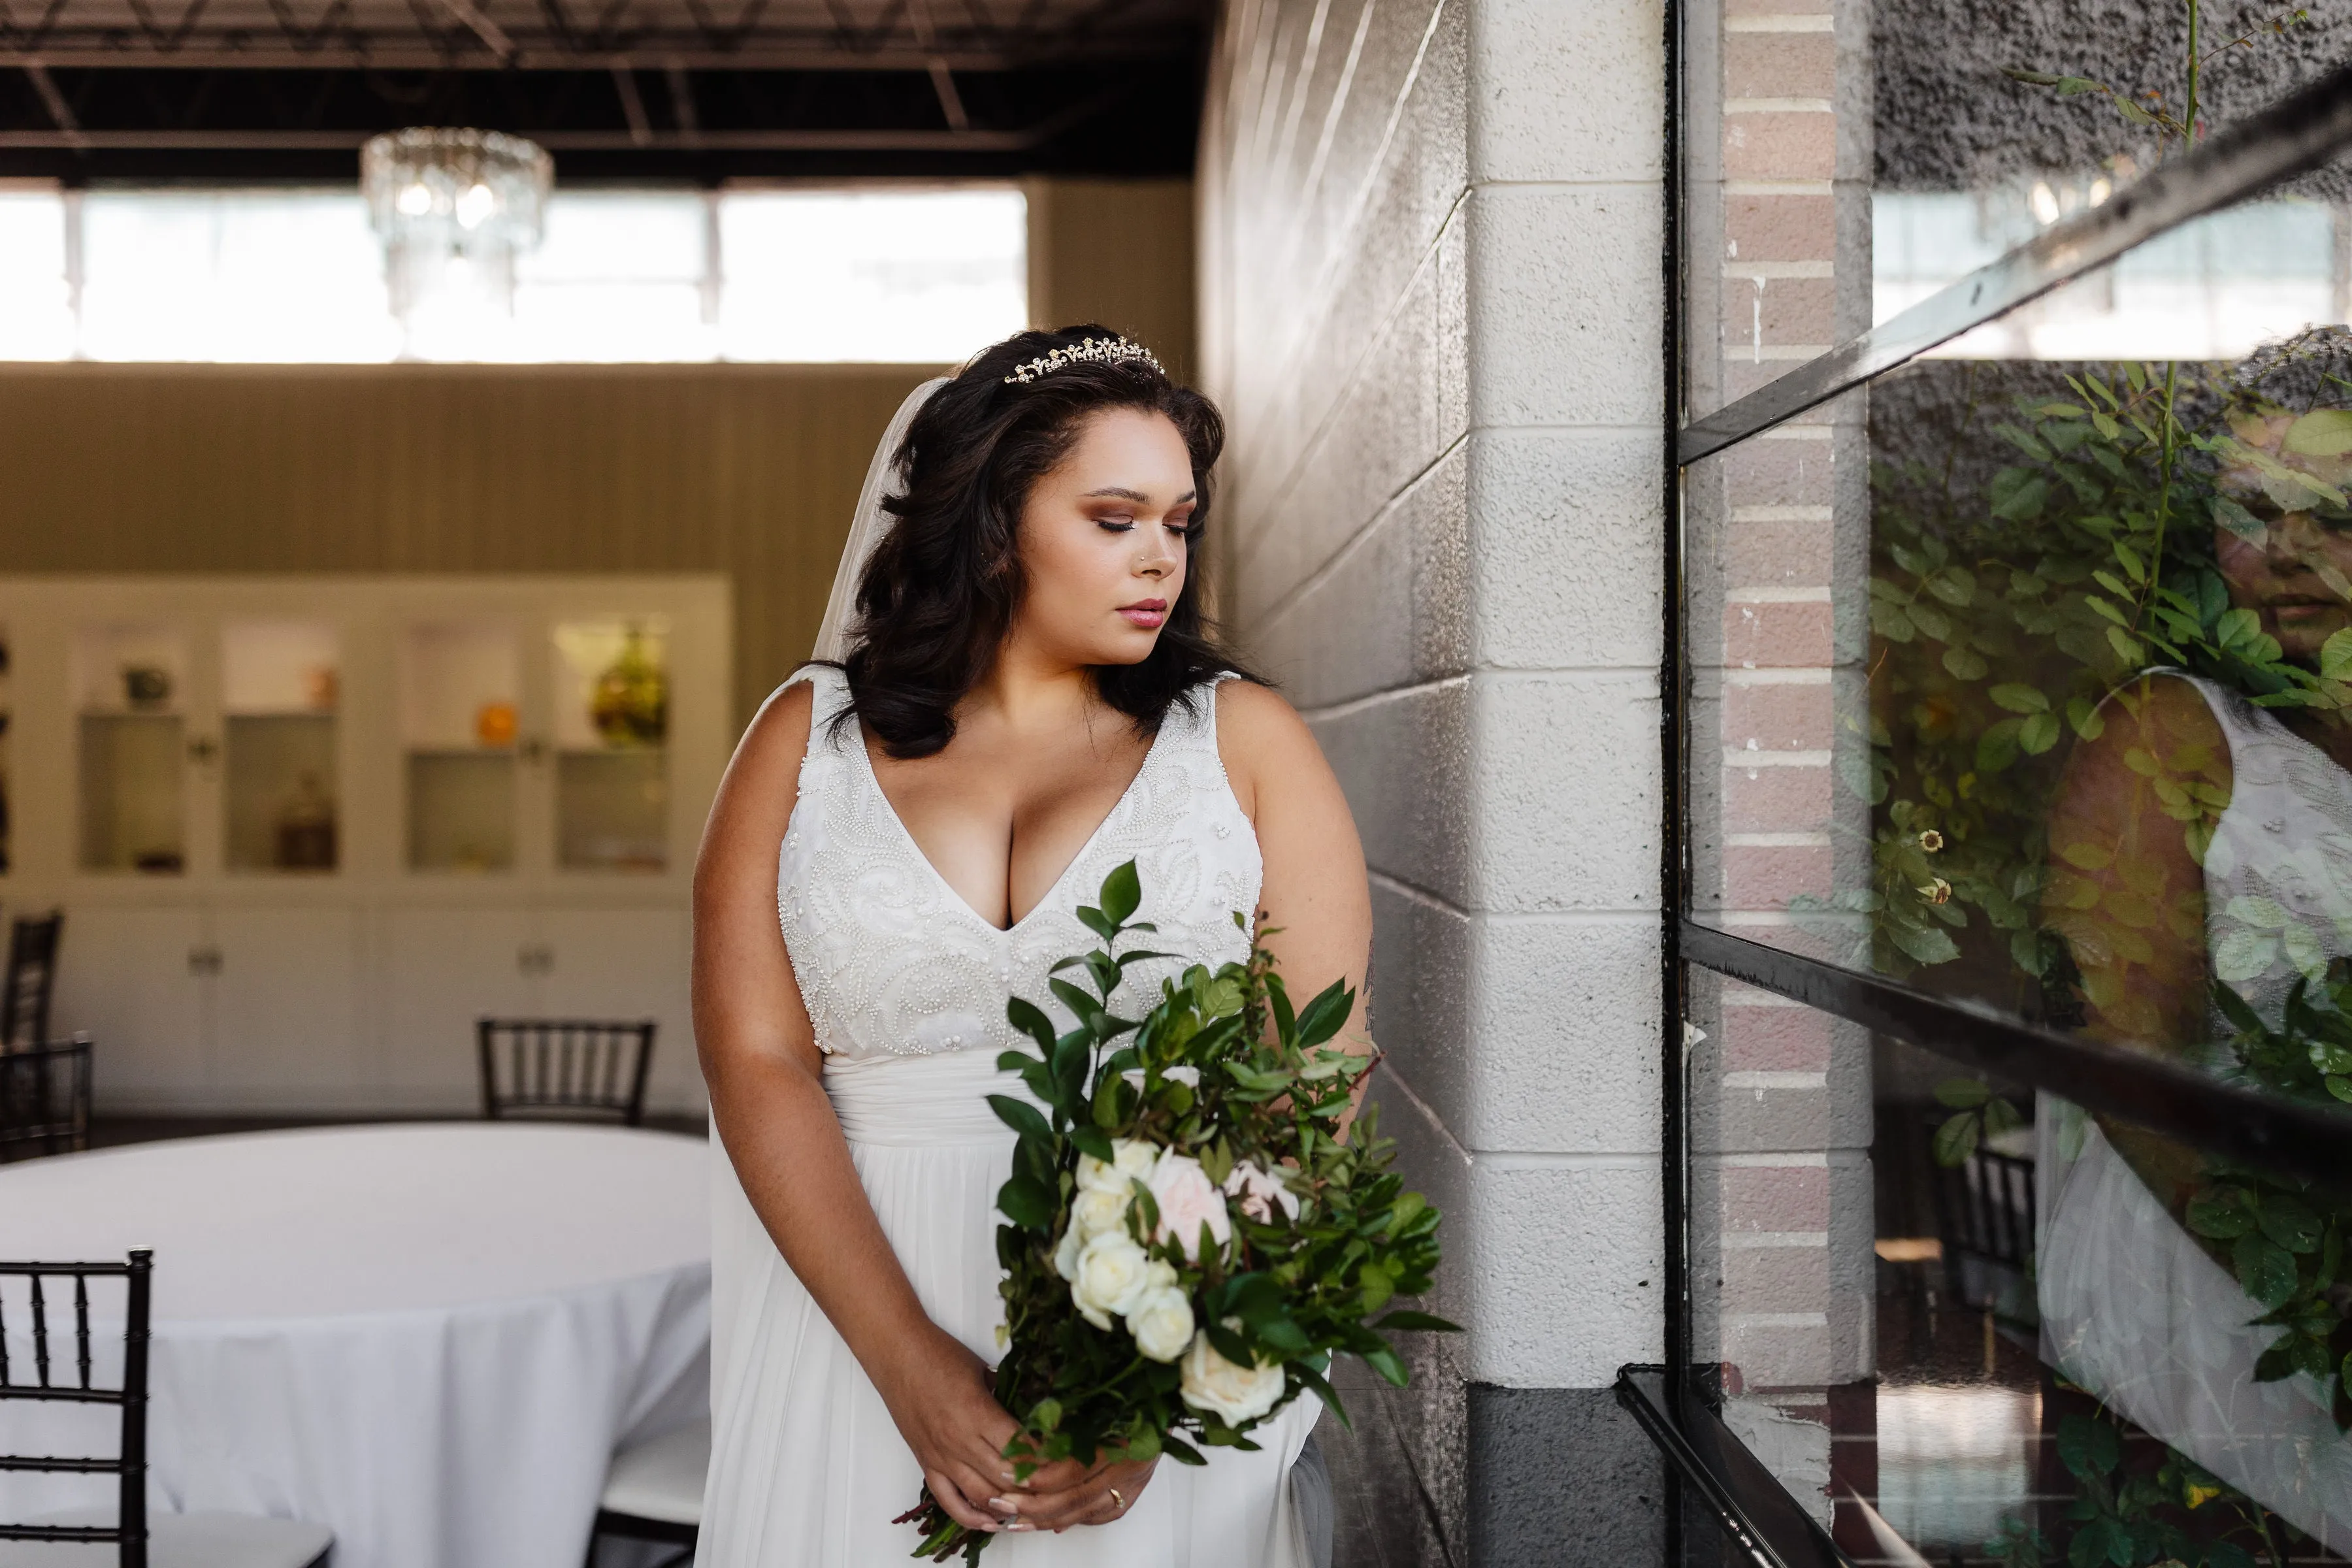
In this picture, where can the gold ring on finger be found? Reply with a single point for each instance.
(1117, 1500)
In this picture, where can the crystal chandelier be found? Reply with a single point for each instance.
(454, 208)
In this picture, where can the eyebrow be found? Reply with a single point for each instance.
(1122, 493)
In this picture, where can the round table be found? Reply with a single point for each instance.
(429, 1338)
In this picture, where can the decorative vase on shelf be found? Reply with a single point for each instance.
(305, 828)
(494, 724)
(630, 703)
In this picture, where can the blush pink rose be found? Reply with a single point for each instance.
(1261, 1192)
(1187, 1200)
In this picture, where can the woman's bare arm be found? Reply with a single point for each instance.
(761, 1060)
(1315, 897)
(2127, 884)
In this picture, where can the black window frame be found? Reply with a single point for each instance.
(1755, 1514)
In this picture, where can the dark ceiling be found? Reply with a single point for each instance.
(618, 90)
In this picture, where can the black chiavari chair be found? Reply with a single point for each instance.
(566, 1069)
(32, 979)
(45, 1099)
(39, 1363)
(1984, 1215)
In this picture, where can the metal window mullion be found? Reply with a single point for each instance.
(2287, 1136)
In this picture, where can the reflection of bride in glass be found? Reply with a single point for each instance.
(2198, 838)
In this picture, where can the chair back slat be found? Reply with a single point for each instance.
(129, 1465)
(31, 979)
(45, 1095)
(570, 1068)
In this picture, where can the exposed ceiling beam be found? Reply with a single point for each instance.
(656, 55)
(53, 101)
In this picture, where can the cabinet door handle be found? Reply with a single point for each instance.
(202, 748)
(204, 960)
(535, 960)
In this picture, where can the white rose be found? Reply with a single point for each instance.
(1112, 1275)
(1130, 1160)
(1066, 1254)
(1095, 1210)
(1161, 1325)
(1238, 1394)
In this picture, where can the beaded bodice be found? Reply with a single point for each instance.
(2278, 875)
(892, 962)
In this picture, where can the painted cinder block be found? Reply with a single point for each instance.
(1566, 530)
(1568, 1262)
(1566, 92)
(1565, 297)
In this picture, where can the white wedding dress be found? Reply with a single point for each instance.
(2132, 1308)
(906, 988)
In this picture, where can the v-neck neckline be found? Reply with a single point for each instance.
(1046, 899)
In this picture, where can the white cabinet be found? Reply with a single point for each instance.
(136, 980)
(306, 831)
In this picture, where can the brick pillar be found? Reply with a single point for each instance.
(1776, 114)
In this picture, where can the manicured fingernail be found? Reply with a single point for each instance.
(1004, 1505)
(1017, 1526)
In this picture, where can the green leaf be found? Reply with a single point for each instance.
(1025, 1201)
(1956, 1140)
(2018, 495)
(1025, 1016)
(1411, 1321)
(2126, 648)
(2265, 1270)
(1181, 1451)
(2088, 1448)
(1384, 1361)
(1021, 1117)
(2286, 1221)
(1122, 892)
(2001, 1115)
(2221, 1213)
(1326, 1014)
(1964, 665)
(2335, 656)
(2020, 699)
(1963, 1093)
(1924, 944)
(2229, 514)
(2038, 733)
(2321, 433)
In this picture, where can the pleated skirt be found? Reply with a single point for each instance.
(807, 1471)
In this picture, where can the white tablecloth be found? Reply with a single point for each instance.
(428, 1338)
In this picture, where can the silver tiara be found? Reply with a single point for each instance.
(1097, 351)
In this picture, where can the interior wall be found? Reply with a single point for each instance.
(752, 471)
(1119, 252)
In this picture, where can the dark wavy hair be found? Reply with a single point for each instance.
(939, 595)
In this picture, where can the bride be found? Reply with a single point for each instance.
(1025, 697)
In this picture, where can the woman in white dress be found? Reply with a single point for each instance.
(1027, 697)
(2256, 892)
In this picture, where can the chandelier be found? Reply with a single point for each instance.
(453, 208)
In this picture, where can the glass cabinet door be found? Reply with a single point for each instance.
(130, 686)
(460, 697)
(281, 683)
(612, 724)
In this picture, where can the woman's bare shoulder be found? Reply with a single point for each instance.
(1264, 742)
(762, 780)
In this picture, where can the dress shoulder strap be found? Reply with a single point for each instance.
(829, 689)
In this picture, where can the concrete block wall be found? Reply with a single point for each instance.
(1431, 308)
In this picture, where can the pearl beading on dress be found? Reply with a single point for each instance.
(892, 962)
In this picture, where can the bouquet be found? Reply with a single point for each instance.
(1188, 1238)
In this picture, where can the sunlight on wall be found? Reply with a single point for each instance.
(285, 276)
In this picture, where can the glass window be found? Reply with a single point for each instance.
(294, 276)
(2017, 689)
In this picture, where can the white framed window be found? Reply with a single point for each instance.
(809, 273)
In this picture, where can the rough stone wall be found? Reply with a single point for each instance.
(1432, 305)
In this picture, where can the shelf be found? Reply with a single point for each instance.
(461, 686)
(461, 810)
(134, 814)
(612, 811)
(279, 791)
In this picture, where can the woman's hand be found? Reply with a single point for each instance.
(939, 1395)
(1067, 1493)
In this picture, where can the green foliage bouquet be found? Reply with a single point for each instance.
(1189, 1238)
